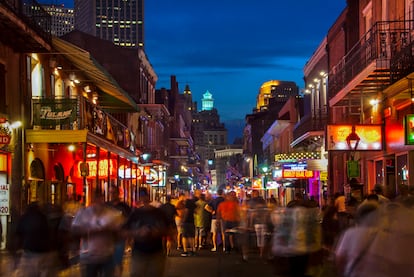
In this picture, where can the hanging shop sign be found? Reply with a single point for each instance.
(54, 113)
(370, 137)
(352, 169)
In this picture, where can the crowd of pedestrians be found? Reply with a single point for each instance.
(371, 238)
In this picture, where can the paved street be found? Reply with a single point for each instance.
(204, 264)
(208, 264)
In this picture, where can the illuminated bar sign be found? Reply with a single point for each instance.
(128, 173)
(297, 174)
(370, 137)
(100, 169)
(296, 171)
(409, 129)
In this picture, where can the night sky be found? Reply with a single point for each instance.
(232, 47)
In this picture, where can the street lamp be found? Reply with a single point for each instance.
(353, 140)
(353, 166)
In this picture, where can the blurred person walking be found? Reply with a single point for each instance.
(180, 207)
(330, 227)
(121, 242)
(97, 225)
(215, 223)
(147, 226)
(258, 219)
(296, 238)
(188, 225)
(35, 235)
(380, 193)
(380, 244)
(341, 211)
(170, 212)
(71, 241)
(201, 222)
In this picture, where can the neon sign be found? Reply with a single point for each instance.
(297, 174)
(128, 173)
(409, 129)
(100, 169)
(370, 137)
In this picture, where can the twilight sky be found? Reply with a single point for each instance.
(231, 47)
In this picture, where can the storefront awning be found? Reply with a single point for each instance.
(111, 96)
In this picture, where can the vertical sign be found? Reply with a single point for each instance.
(4, 199)
(409, 129)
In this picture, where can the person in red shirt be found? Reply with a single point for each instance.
(228, 212)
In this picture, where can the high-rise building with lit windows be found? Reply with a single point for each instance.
(119, 21)
(62, 19)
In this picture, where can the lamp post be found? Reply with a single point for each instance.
(352, 165)
(353, 140)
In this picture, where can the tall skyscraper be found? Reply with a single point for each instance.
(62, 19)
(207, 103)
(121, 22)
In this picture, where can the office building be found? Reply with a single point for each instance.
(121, 22)
(63, 19)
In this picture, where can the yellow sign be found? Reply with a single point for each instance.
(323, 176)
(297, 173)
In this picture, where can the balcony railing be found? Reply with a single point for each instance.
(380, 44)
(311, 122)
(32, 13)
(402, 63)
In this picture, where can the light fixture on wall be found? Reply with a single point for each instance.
(71, 147)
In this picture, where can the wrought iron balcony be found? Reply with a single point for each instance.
(402, 63)
(371, 55)
(25, 25)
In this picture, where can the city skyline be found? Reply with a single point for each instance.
(233, 50)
